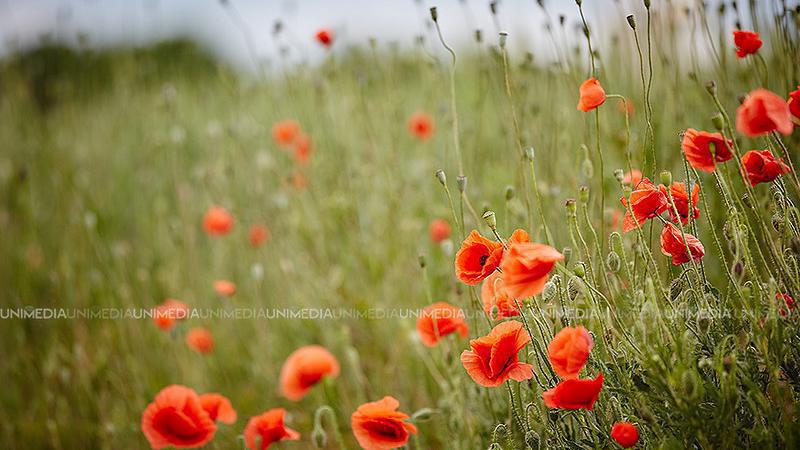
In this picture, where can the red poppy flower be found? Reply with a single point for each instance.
(420, 124)
(681, 198)
(477, 258)
(302, 149)
(574, 394)
(794, 102)
(698, 150)
(747, 43)
(269, 428)
(786, 302)
(258, 235)
(762, 112)
(299, 181)
(380, 426)
(224, 288)
(526, 267)
(762, 167)
(325, 37)
(632, 178)
(494, 294)
(439, 320)
(672, 244)
(176, 418)
(569, 350)
(625, 433)
(519, 236)
(592, 95)
(494, 358)
(285, 132)
(304, 368)
(218, 407)
(200, 340)
(217, 221)
(439, 230)
(646, 201)
(166, 314)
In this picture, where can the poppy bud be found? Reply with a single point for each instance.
(567, 252)
(529, 153)
(490, 219)
(570, 204)
(746, 291)
(532, 440)
(562, 19)
(619, 175)
(319, 438)
(503, 37)
(578, 2)
(509, 192)
(441, 177)
(493, 7)
(549, 291)
(703, 322)
(613, 262)
(494, 446)
(434, 14)
(675, 288)
(717, 121)
(691, 387)
(422, 262)
(579, 270)
(584, 195)
(493, 312)
(422, 415)
(647, 4)
(631, 21)
(461, 182)
(478, 36)
(777, 222)
(711, 87)
(728, 364)
(666, 178)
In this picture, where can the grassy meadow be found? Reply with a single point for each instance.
(110, 159)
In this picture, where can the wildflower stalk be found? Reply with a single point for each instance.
(650, 135)
(318, 427)
(539, 206)
(514, 411)
(788, 158)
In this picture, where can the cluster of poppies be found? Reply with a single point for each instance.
(289, 136)
(179, 417)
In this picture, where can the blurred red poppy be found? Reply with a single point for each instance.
(494, 294)
(380, 426)
(625, 433)
(224, 288)
(200, 340)
(703, 150)
(218, 407)
(439, 320)
(325, 37)
(217, 221)
(762, 167)
(763, 112)
(285, 132)
(267, 429)
(646, 202)
(168, 313)
(632, 178)
(420, 124)
(439, 230)
(569, 350)
(302, 149)
(526, 267)
(794, 102)
(672, 244)
(592, 95)
(176, 418)
(304, 368)
(258, 234)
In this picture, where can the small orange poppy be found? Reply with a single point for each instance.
(625, 433)
(477, 258)
(747, 43)
(302, 149)
(176, 418)
(285, 132)
(439, 320)
(258, 234)
(592, 95)
(494, 358)
(646, 202)
(325, 37)
(168, 313)
(569, 350)
(217, 221)
(200, 340)
(218, 407)
(574, 394)
(267, 429)
(224, 288)
(379, 426)
(762, 166)
(420, 124)
(763, 112)
(526, 267)
(304, 368)
(632, 178)
(439, 230)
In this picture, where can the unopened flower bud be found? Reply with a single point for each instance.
(503, 37)
(478, 36)
(647, 4)
(549, 290)
(422, 261)
(619, 175)
(567, 252)
(493, 7)
(509, 192)
(532, 440)
(631, 21)
(434, 14)
(728, 363)
(703, 322)
(493, 312)
(441, 177)
(490, 219)
(570, 204)
(613, 262)
(584, 195)
(711, 87)
(319, 438)
(666, 177)
(579, 2)
(717, 121)
(529, 153)
(579, 270)
(461, 182)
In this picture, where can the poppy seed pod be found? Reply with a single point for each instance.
(529, 153)
(491, 219)
(717, 121)
(461, 182)
(434, 14)
(631, 21)
(584, 195)
(503, 38)
(666, 177)
(567, 252)
(570, 204)
(549, 291)
(711, 87)
(647, 4)
(440, 175)
(619, 174)
(509, 192)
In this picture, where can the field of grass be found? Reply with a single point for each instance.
(110, 160)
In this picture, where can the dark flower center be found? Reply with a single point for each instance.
(483, 259)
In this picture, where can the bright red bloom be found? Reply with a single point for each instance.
(762, 167)
(632, 178)
(166, 314)
(681, 198)
(304, 368)
(176, 418)
(302, 149)
(494, 358)
(269, 428)
(439, 320)
(747, 43)
(569, 350)
(493, 293)
(439, 230)
(325, 37)
(217, 221)
(574, 394)
(762, 112)
(258, 235)
(672, 244)
(285, 132)
(218, 407)
(477, 258)
(794, 102)
(592, 95)
(646, 202)
(380, 426)
(526, 268)
(200, 340)
(697, 148)
(420, 124)
(625, 433)
(224, 288)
